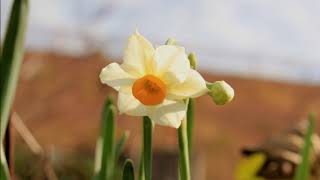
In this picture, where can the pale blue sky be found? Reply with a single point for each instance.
(266, 39)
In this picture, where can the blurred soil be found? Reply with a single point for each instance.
(60, 100)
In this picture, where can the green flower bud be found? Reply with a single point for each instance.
(193, 60)
(171, 41)
(221, 92)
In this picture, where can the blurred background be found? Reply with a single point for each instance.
(267, 50)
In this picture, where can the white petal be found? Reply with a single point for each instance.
(129, 105)
(138, 56)
(172, 63)
(169, 113)
(193, 86)
(114, 76)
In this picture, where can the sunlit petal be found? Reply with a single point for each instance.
(194, 86)
(138, 56)
(169, 113)
(172, 63)
(129, 105)
(114, 76)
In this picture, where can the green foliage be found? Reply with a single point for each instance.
(11, 58)
(248, 167)
(10, 61)
(105, 153)
(120, 145)
(303, 169)
(128, 170)
(4, 171)
(141, 167)
(147, 147)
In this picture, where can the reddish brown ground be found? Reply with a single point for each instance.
(60, 99)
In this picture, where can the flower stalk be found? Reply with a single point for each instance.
(147, 147)
(184, 162)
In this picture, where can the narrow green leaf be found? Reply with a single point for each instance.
(128, 170)
(190, 119)
(184, 163)
(105, 152)
(4, 170)
(147, 147)
(11, 57)
(303, 169)
(141, 167)
(120, 145)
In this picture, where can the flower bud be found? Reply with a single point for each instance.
(171, 41)
(193, 60)
(221, 92)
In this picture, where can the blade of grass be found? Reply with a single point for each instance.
(11, 57)
(184, 163)
(120, 145)
(128, 170)
(105, 153)
(190, 119)
(303, 169)
(141, 167)
(4, 170)
(147, 147)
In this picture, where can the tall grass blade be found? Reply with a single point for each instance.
(11, 58)
(141, 167)
(303, 169)
(120, 145)
(10, 61)
(4, 170)
(147, 147)
(128, 171)
(105, 152)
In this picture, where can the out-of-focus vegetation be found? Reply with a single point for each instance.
(12, 52)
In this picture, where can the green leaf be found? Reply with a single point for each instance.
(11, 57)
(128, 170)
(190, 119)
(120, 145)
(147, 147)
(4, 170)
(248, 167)
(303, 169)
(141, 167)
(10, 61)
(105, 146)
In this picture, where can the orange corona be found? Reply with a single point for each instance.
(149, 90)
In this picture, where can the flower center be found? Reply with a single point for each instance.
(149, 90)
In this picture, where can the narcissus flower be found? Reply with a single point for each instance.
(154, 82)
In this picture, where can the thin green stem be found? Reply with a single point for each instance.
(147, 147)
(190, 119)
(303, 169)
(184, 152)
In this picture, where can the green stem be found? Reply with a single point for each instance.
(147, 147)
(183, 152)
(190, 118)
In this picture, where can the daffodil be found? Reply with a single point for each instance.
(154, 82)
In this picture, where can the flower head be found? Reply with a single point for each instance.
(154, 82)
